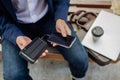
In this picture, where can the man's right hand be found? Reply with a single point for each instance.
(23, 41)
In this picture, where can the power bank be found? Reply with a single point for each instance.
(33, 50)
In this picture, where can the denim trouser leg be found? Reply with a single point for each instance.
(14, 67)
(76, 57)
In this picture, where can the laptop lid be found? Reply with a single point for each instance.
(109, 44)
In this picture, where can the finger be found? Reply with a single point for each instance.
(43, 54)
(28, 40)
(22, 44)
(58, 30)
(36, 62)
(54, 44)
(63, 32)
(68, 31)
(46, 51)
(51, 42)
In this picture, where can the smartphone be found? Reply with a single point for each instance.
(57, 38)
(33, 50)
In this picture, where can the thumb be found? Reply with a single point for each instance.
(22, 42)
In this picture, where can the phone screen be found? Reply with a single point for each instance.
(62, 41)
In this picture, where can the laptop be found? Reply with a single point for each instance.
(108, 45)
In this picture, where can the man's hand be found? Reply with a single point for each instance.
(23, 41)
(62, 27)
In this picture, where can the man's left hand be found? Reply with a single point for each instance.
(62, 27)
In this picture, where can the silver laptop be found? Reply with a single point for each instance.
(109, 44)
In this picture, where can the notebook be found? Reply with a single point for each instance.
(109, 44)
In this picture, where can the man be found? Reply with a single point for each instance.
(23, 20)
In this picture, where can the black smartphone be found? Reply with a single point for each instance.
(57, 38)
(33, 50)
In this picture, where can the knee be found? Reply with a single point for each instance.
(83, 60)
(16, 75)
(80, 62)
(79, 66)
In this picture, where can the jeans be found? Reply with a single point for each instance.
(16, 68)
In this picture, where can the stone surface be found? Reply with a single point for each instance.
(58, 70)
